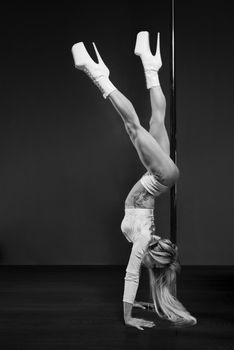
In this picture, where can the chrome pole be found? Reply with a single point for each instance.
(173, 193)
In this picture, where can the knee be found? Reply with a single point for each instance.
(171, 175)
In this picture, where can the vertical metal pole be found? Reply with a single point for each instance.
(173, 194)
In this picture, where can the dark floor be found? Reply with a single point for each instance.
(80, 308)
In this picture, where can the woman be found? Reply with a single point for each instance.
(160, 256)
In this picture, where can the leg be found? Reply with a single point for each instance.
(157, 127)
(152, 65)
(150, 152)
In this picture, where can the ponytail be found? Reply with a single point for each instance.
(163, 290)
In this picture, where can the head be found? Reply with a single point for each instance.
(161, 259)
(161, 253)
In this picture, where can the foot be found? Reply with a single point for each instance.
(98, 72)
(142, 49)
(85, 63)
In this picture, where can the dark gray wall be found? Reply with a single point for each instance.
(205, 117)
(66, 161)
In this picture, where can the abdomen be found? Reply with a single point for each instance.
(139, 197)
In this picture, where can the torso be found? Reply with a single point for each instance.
(139, 197)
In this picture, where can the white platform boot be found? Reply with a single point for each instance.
(151, 63)
(98, 72)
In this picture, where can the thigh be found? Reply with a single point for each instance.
(159, 133)
(153, 156)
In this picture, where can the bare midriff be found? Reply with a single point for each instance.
(139, 197)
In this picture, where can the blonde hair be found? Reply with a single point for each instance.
(163, 281)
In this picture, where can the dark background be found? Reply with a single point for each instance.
(66, 161)
(205, 117)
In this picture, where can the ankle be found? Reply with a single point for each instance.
(152, 78)
(105, 85)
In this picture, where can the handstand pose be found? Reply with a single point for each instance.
(159, 255)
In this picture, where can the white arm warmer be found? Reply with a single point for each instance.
(133, 269)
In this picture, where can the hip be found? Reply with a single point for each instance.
(136, 222)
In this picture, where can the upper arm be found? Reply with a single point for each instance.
(138, 250)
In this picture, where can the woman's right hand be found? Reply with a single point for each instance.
(139, 323)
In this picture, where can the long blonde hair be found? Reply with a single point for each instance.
(163, 281)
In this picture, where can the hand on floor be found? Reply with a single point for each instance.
(139, 323)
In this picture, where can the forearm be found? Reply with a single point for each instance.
(127, 311)
(131, 284)
(132, 274)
